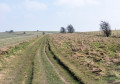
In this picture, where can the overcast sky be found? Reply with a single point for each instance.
(84, 15)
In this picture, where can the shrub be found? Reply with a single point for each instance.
(62, 30)
(105, 27)
(43, 33)
(24, 32)
(70, 29)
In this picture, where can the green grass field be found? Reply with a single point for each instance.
(78, 58)
(8, 39)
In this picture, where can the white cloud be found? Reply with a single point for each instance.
(4, 8)
(77, 3)
(34, 5)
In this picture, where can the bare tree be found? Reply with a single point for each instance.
(70, 29)
(105, 27)
(62, 30)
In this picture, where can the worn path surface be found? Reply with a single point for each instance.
(30, 65)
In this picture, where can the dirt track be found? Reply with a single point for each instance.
(30, 65)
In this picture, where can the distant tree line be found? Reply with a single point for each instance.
(11, 31)
(104, 26)
(69, 29)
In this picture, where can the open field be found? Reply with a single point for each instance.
(59, 42)
(78, 58)
(92, 59)
(29, 64)
(8, 39)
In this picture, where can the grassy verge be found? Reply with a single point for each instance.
(12, 52)
(19, 67)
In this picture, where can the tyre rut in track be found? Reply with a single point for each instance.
(39, 76)
(54, 67)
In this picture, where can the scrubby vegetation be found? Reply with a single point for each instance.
(93, 59)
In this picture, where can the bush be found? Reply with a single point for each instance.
(105, 27)
(62, 30)
(70, 29)
(43, 33)
(24, 32)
